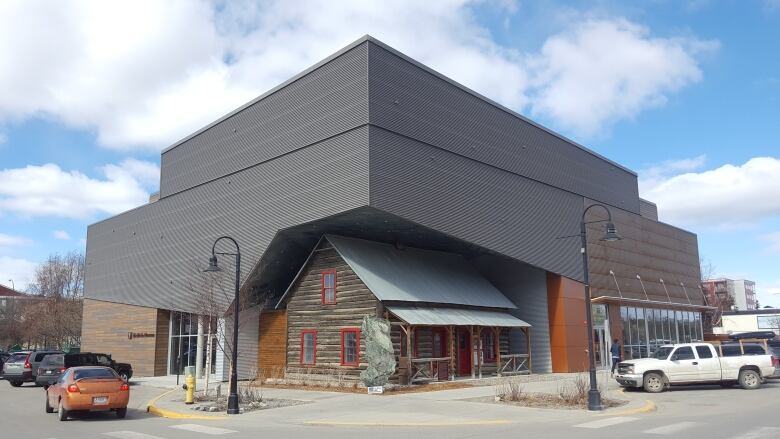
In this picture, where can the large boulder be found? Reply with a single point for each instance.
(379, 352)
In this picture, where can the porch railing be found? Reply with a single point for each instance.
(427, 369)
(513, 364)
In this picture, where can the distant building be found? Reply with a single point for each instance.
(735, 322)
(732, 294)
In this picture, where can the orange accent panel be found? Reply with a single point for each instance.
(568, 333)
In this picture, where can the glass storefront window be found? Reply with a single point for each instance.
(645, 329)
(184, 342)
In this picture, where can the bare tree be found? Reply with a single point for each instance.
(214, 293)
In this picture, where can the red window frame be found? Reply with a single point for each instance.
(302, 357)
(322, 286)
(355, 331)
(488, 354)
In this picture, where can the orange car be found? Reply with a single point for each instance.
(92, 388)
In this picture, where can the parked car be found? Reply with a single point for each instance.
(54, 365)
(89, 388)
(696, 363)
(22, 366)
(50, 368)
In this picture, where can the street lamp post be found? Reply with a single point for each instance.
(232, 408)
(594, 397)
(13, 286)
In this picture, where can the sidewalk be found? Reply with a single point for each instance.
(437, 408)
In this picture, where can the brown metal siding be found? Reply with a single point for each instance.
(651, 249)
(272, 351)
(326, 101)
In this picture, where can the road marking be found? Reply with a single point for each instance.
(203, 429)
(606, 422)
(131, 435)
(671, 428)
(760, 433)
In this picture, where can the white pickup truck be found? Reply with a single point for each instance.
(694, 363)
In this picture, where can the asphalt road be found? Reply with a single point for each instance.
(692, 412)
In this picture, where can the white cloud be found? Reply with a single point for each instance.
(728, 196)
(61, 235)
(21, 271)
(13, 241)
(50, 191)
(144, 74)
(602, 71)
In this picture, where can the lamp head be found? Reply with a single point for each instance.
(611, 233)
(213, 267)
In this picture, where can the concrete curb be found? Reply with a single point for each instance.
(409, 424)
(647, 407)
(165, 413)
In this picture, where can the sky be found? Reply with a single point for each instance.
(685, 93)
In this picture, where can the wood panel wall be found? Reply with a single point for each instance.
(272, 341)
(105, 326)
(305, 311)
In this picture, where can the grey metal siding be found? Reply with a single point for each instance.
(148, 256)
(526, 286)
(328, 100)
(475, 202)
(414, 102)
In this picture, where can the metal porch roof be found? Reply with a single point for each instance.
(415, 275)
(435, 316)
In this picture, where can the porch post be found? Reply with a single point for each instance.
(409, 351)
(452, 352)
(471, 352)
(528, 343)
(480, 350)
(497, 332)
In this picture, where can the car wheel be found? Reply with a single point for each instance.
(121, 413)
(654, 383)
(16, 383)
(749, 379)
(48, 407)
(63, 414)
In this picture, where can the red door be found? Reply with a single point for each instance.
(464, 352)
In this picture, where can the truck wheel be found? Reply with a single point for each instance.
(749, 379)
(16, 383)
(124, 376)
(654, 383)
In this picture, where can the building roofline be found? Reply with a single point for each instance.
(369, 38)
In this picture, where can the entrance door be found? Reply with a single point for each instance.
(464, 352)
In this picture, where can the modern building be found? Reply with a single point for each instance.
(370, 184)
(731, 294)
(736, 322)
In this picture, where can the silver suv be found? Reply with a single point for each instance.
(22, 366)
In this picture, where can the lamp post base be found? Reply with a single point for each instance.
(594, 400)
(233, 404)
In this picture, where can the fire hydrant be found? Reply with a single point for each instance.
(189, 386)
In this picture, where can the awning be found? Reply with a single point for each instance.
(652, 303)
(434, 316)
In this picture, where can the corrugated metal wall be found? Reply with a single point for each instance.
(526, 286)
(328, 100)
(151, 255)
(478, 203)
(414, 102)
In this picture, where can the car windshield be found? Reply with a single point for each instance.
(663, 352)
(93, 373)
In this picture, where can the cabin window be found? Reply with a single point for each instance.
(488, 346)
(308, 346)
(350, 347)
(328, 287)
